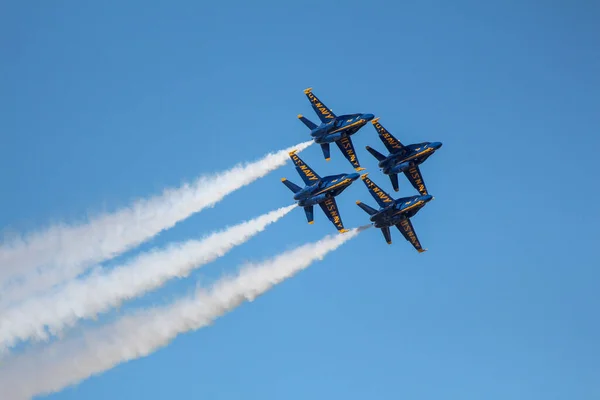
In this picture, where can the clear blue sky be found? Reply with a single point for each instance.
(104, 103)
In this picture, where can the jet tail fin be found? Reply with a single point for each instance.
(326, 152)
(394, 179)
(368, 209)
(375, 153)
(292, 186)
(309, 124)
(310, 215)
(386, 234)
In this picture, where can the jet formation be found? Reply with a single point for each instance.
(322, 191)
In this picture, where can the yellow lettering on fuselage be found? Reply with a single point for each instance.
(380, 193)
(360, 121)
(428, 150)
(333, 187)
(418, 203)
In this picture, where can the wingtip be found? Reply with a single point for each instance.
(358, 169)
(374, 120)
(283, 179)
(327, 159)
(343, 230)
(291, 153)
(363, 176)
(358, 202)
(300, 115)
(422, 250)
(390, 242)
(311, 222)
(307, 90)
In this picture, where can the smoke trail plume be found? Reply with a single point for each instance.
(60, 253)
(66, 363)
(100, 292)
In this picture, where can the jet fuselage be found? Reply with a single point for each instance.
(328, 186)
(414, 154)
(340, 127)
(400, 209)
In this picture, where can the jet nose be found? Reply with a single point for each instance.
(436, 145)
(427, 198)
(368, 117)
(353, 176)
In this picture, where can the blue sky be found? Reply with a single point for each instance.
(102, 104)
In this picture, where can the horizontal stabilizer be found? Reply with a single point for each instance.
(309, 124)
(375, 153)
(291, 185)
(368, 209)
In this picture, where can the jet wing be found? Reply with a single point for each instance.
(330, 209)
(416, 179)
(347, 148)
(393, 145)
(405, 227)
(381, 197)
(308, 175)
(323, 112)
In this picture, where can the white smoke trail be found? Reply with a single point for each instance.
(98, 293)
(60, 253)
(66, 363)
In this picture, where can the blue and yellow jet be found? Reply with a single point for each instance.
(394, 212)
(321, 191)
(335, 128)
(403, 158)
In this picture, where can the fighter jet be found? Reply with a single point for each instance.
(403, 158)
(321, 191)
(335, 128)
(394, 212)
